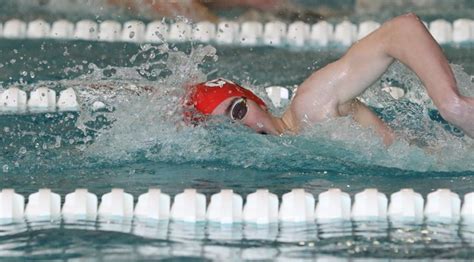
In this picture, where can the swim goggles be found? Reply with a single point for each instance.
(238, 110)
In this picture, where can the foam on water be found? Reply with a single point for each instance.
(149, 125)
(144, 123)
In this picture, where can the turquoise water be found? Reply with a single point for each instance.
(139, 142)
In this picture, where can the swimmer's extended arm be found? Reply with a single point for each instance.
(404, 38)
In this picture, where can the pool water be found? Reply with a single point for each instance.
(138, 142)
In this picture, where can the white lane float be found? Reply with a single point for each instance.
(157, 32)
(80, 204)
(467, 211)
(116, 204)
(86, 30)
(227, 32)
(153, 205)
(463, 30)
(444, 205)
(246, 33)
(42, 99)
(13, 100)
(333, 205)
(225, 207)
(298, 33)
(133, 31)
(261, 208)
(12, 206)
(345, 33)
(62, 29)
(43, 205)
(38, 29)
(322, 33)
(406, 204)
(367, 27)
(110, 31)
(189, 206)
(442, 31)
(67, 100)
(14, 28)
(369, 204)
(393, 91)
(297, 206)
(274, 33)
(204, 31)
(251, 33)
(180, 32)
(278, 95)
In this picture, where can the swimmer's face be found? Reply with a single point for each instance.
(256, 117)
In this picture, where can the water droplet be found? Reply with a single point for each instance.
(22, 150)
(57, 144)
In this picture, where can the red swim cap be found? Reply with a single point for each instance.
(205, 97)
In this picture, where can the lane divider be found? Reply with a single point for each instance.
(43, 99)
(248, 33)
(228, 207)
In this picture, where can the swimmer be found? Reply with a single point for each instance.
(331, 91)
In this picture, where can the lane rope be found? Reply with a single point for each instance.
(227, 207)
(248, 33)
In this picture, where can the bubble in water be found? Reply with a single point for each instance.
(5, 168)
(22, 150)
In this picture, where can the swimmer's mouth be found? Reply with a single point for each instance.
(263, 133)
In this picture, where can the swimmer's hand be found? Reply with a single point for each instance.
(367, 118)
